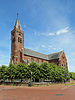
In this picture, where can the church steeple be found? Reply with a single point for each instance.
(17, 24)
(17, 43)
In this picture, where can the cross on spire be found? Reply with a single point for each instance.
(17, 14)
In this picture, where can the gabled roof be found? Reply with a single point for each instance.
(43, 56)
(17, 24)
(55, 55)
(35, 54)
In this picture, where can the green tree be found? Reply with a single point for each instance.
(11, 72)
(3, 72)
(58, 73)
(45, 71)
(35, 69)
(21, 71)
(72, 75)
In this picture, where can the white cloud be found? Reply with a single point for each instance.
(37, 33)
(50, 46)
(55, 48)
(65, 30)
(58, 32)
(43, 46)
(51, 34)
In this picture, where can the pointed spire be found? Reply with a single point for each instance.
(17, 24)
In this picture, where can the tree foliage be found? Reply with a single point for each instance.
(11, 71)
(42, 71)
(3, 72)
(72, 75)
(21, 71)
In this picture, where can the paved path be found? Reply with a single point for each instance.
(62, 93)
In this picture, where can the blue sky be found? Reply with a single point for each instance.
(49, 27)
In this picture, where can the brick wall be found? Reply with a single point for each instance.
(35, 59)
(55, 61)
(16, 46)
(63, 61)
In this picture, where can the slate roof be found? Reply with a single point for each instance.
(35, 54)
(55, 55)
(43, 56)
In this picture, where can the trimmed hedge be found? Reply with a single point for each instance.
(43, 71)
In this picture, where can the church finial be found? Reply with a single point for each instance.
(17, 15)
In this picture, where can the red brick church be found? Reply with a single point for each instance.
(24, 55)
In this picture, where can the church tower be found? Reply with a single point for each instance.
(17, 43)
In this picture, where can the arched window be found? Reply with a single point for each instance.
(63, 64)
(19, 34)
(37, 60)
(42, 60)
(32, 59)
(19, 39)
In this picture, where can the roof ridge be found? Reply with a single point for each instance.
(41, 55)
(35, 51)
(56, 52)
